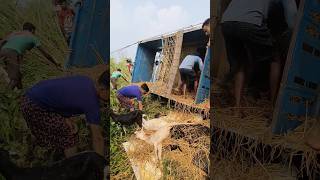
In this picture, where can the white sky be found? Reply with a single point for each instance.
(135, 20)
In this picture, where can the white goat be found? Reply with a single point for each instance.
(154, 124)
(162, 129)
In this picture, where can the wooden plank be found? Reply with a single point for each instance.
(175, 61)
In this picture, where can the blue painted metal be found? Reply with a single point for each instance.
(204, 83)
(90, 37)
(301, 81)
(145, 56)
(143, 64)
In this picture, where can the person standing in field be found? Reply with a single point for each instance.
(126, 95)
(189, 70)
(66, 15)
(57, 5)
(115, 77)
(12, 49)
(129, 65)
(49, 106)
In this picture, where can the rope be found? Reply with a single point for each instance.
(125, 47)
(306, 121)
(156, 37)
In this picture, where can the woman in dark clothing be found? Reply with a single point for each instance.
(48, 106)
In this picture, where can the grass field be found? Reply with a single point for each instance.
(14, 134)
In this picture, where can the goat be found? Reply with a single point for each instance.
(83, 166)
(127, 119)
(154, 124)
(162, 129)
(155, 139)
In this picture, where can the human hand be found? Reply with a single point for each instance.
(72, 125)
(70, 50)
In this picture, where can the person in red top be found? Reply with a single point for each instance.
(57, 5)
(129, 65)
(66, 20)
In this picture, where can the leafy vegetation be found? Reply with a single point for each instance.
(14, 134)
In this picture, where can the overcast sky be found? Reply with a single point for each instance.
(135, 20)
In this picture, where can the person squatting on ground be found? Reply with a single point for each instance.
(126, 96)
(12, 49)
(248, 40)
(190, 69)
(49, 105)
(115, 77)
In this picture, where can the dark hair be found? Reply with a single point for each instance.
(102, 81)
(118, 69)
(145, 87)
(206, 22)
(128, 60)
(201, 52)
(29, 27)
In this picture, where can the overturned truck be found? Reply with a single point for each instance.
(157, 62)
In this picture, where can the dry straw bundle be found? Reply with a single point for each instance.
(234, 170)
(251, 133)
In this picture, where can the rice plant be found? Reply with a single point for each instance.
(14, 134)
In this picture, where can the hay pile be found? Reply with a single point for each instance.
(185, 153)
(251, 132)
(235, 170)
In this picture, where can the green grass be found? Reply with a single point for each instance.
(14, 134)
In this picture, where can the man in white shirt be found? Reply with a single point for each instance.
(188, 72)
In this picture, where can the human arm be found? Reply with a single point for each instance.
(290, 12)
(71, 122)
(129, 68)
(200, 64)
(140, 105)
(125, 79)
(4, 39)
(97, 139)
(48, 56)
(2, 42)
